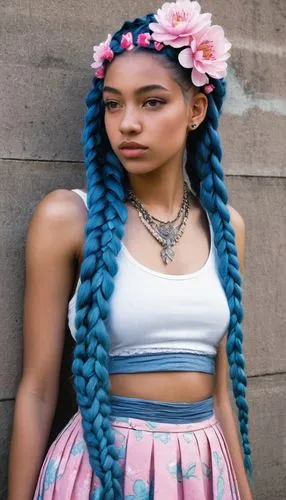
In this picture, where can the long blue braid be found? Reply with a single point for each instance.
(104, 230)
(205, 154)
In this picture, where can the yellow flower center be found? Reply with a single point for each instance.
(207, 48)
(178, 17)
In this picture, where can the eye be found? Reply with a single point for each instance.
(109, 105)
(155, 103)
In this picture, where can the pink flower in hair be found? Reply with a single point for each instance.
(127, 41)
(209, 88)
(207, 53)
(158, 46)
(100, 54)
(178, 22)
(99, 73)
(144, 39)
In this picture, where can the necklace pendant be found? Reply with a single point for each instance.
(167, 254)
(167, 231)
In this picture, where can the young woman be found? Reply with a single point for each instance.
(146, 264)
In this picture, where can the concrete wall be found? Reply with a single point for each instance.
(45, 76)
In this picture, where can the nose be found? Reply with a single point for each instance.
(130, 121)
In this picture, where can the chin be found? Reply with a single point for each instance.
(139, 166)
(135, 168)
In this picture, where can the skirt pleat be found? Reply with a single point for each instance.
(231, 474)
(165, 465)
(159, 461)
(137, 473)
(194, 457)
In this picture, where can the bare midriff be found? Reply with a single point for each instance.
(164, 386)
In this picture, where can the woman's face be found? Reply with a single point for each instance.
(136, 110)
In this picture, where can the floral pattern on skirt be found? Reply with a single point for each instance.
(160, 461)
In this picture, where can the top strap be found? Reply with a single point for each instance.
(82, 195)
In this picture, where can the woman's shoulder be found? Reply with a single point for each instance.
(60, 201)
(236, 217)
(62, 213)
(61, 207)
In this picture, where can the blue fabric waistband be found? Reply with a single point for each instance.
(161, 411)
(162, 361)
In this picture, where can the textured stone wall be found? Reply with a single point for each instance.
(45, 74)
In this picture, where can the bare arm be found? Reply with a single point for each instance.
(52, 240)
(223, 407)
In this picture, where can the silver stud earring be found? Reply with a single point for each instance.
(194, 125)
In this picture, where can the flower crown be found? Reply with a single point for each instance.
(179, 24)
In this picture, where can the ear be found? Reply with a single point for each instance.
(198, 105)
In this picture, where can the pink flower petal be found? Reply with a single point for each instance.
(223, 57)
(201, 67)
(99, 73)
(209, 88)
(213, 32)
(199, 56)
(186, 58)
(198, 78)
(144, 39)
(127, 41)
(96, 64)
(107, 53)
(217, 73)
(156, 27)
(194, 45)
(200, 24)
(179, 42)
(158, 46)
(162, 37)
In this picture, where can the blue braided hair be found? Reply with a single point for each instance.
(107, 215)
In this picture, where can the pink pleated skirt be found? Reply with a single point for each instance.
(160, 461)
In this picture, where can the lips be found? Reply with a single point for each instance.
(133, 152)
(131, 145)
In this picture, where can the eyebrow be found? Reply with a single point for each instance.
(140, 90)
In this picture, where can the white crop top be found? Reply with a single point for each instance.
(153, 314)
